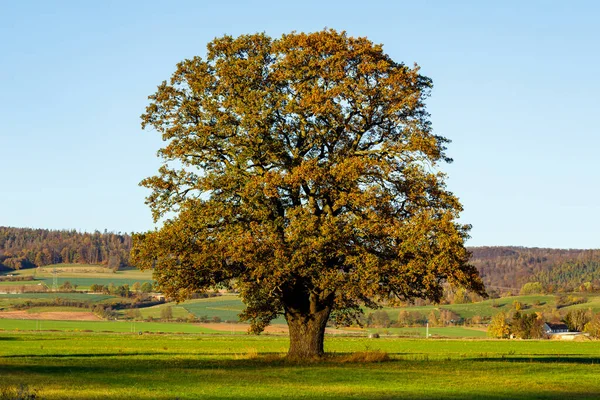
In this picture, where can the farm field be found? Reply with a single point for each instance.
(447, 332)
(73, 325)
(488, 308)
(226, 307)
(82, 275)
(126, 366)
(8, 301)
(100, 326)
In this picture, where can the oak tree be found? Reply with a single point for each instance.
(304, 171)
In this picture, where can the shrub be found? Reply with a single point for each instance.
(146, 287)
(166, 313)
(370, 356)
(565, 301)
(532, 288)
(379, 319)
(133, 313)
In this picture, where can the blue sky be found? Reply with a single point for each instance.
(516, 90)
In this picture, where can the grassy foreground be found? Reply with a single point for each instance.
(95, 366)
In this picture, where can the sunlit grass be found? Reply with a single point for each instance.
(100, 326)
(85, 366)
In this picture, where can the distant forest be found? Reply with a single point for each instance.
(503, 269)
(509, 268)
(27, 248)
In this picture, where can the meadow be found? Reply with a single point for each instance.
(101, 326)
(131, 366)
(126, 359)
(227, 307)
(82, 275)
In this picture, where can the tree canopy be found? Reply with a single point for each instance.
(303, 170)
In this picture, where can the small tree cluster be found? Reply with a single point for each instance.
(521, 326)
(121, 290)
(593, 326)
(569, 300)
(68, 287)
(477, 320)
(134, 313)
(52, 303)
(576, 320)
(16, 278)
(166, 313)
(410, 318)
(105, 312)
(527, 326)
(532, 288)
(379, 319)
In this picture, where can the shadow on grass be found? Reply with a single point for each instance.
(91, 355)
(541, 359)
(264, 357)
(268, 375)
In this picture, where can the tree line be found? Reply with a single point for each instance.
(510, 268)
(502, 268)
(26, 248)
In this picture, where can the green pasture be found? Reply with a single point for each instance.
(445, 332)
(18, 284)
(226, 307)
(126, 366)
(593, 303)
(83, 297)
(178, 311)
(488, 308)
(82, 275)
(84, 283)
(8, 301)
(100, 326)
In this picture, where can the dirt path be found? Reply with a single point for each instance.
(51, 315)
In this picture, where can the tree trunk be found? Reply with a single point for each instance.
(307, 332)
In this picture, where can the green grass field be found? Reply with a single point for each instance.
(125, 366)
(156, 311)
(488, 308)
(82, 275)
(226, 307)
(447, 332)
(9, 301)
(101, 326)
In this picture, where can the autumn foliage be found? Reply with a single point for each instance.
(304, 171)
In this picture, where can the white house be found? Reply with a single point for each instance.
(551, 329)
